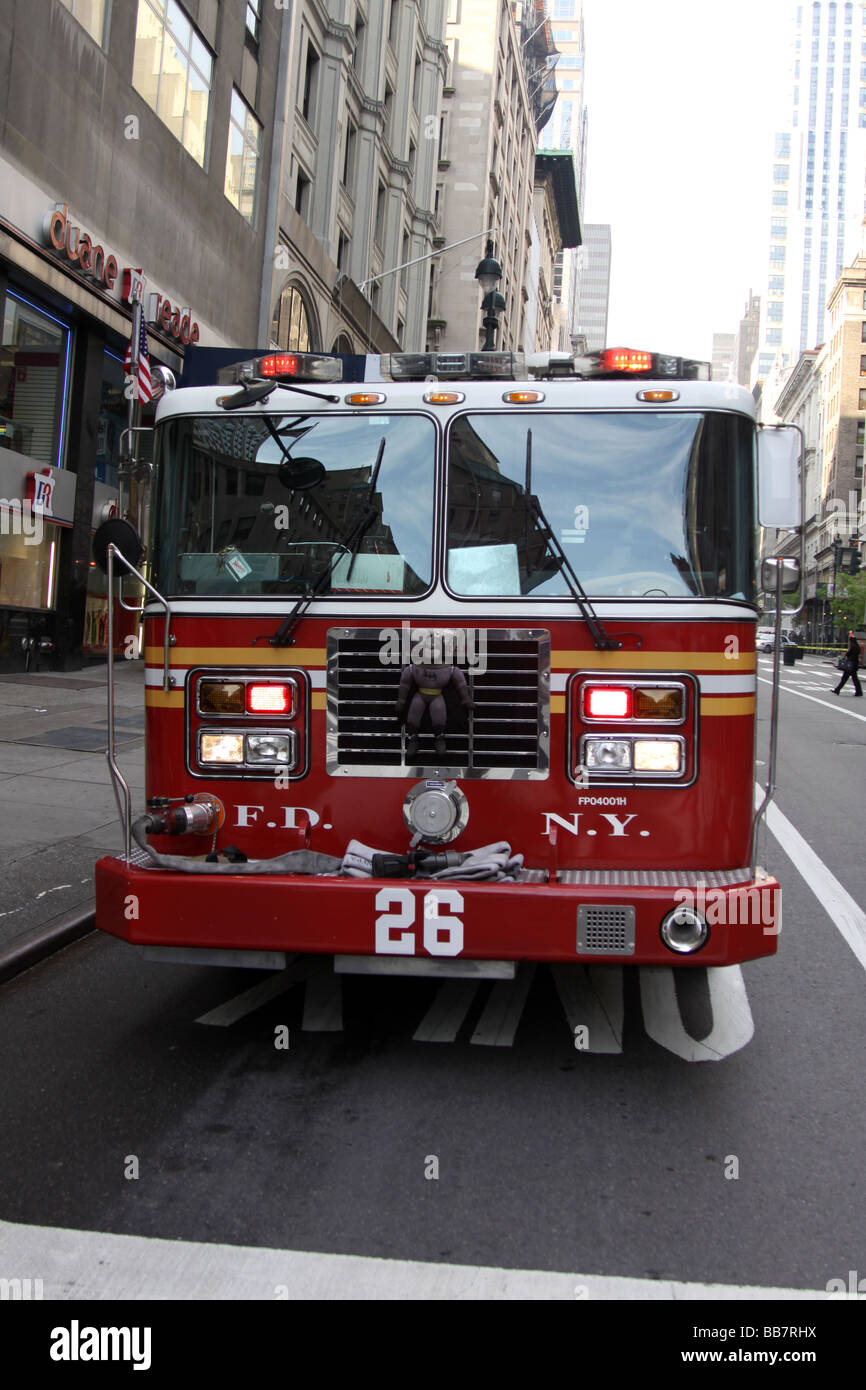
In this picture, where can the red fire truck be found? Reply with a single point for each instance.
(450, 664)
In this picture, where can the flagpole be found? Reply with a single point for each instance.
(131, 390)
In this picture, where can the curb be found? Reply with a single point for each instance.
(44, 941)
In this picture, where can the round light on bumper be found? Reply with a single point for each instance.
(684, 931)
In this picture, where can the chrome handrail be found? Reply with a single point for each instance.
(120, 786)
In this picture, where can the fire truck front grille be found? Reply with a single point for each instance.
(506, 735)
(605, 929)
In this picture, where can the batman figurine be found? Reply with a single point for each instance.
(423, 687)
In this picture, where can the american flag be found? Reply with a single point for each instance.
(145, 386)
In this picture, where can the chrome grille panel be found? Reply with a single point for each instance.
(506, 736)
(605, 929)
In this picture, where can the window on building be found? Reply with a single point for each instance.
(777, 255)
(291, 326)
(342, 252)
(302, 195)
(777, 284)
(416, 82)
(773, 336)
(242, 161)
(388, 111)
(349, 156)
(173, 69)
(861, 405)
(392, 23)
(90, 15)
(775, 312)
(311, 83)
(858, 465)
(782, 146)
(781, 173)
(563, 9)
(778, 227)
(34, 372)
(413, 154)
(254, 19)
(360, 36)
(380, 215)
(863, 366)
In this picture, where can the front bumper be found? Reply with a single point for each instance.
(422, 918)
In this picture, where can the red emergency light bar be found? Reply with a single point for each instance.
(625, 362)
(298, 366)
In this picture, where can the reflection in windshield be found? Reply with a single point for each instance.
(243, 509)
(649, 504)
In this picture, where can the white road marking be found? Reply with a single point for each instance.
(242, 1004)
(593, 998)
(93, 1266)
(845, 914)
(498, 1023)
(323, 1004)
(733, 1025)
(443, 1019)
(829, 703)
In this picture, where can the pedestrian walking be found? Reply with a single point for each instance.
(850, 663)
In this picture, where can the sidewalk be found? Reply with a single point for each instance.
(58, 813)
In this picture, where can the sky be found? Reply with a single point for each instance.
(683, 98)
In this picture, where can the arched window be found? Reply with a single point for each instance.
(343, 343)
(292, 328)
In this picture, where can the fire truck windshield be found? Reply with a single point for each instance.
(247, 505)
(655, 504)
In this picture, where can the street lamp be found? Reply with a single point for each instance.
(488, 274)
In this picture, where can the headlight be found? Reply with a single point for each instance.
(657, 755)
(610, 754)
(221, 748)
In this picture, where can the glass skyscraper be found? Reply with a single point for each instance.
(817, 189)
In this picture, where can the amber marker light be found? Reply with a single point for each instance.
(365, 398)
(523, 397)
(444, 397)
(269, 699)
(658, 395)
(607, 702)
(651, 703)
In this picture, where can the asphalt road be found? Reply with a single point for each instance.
(742, 1171)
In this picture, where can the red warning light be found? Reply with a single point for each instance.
(269, 699)
(279, 364)
(626, 360)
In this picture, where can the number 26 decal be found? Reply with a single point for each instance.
(395, 930)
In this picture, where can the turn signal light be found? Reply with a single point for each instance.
(653, 703)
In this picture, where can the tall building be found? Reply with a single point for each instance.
(135, 147)
(817, 190)
(499, 96)
(746, 339)
(723, 356)
(567, 129)
(593, 286)
(357, 183)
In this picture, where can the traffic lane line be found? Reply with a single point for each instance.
(828, 703)
(845, 914)
(95, 1266)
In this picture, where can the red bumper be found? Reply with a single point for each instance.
(472, 921)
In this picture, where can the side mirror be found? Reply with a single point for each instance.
(779, 448)
(300, 473)
(121, 534)
(790, 573)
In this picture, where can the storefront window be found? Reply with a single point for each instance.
(112, 420)
(29, 553)
(34, 361)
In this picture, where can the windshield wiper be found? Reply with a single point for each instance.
(602, 639)
(284, 635)
(258, 390)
